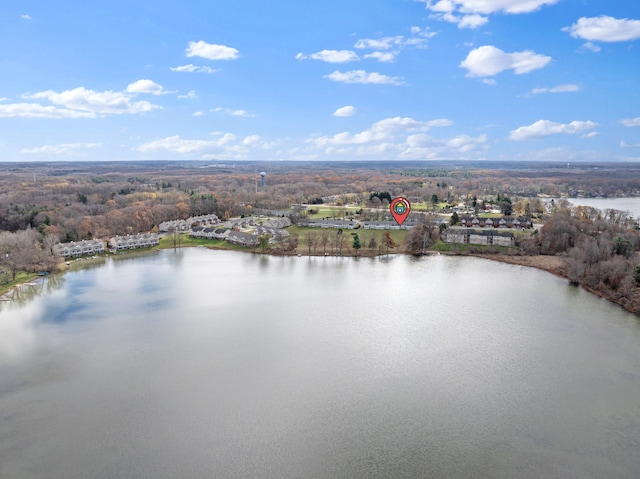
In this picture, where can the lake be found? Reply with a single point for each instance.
(202, 363)
(632, 205)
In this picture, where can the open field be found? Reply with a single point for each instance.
(166, 242)
(327, 211)
(364, 235)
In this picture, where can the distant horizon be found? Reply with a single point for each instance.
(396, 80)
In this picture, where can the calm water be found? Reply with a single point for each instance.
(632, 205)
(221, 364)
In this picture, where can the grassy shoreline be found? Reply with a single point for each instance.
(551, 264)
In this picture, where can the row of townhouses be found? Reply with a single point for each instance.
(276, 234)
(504, 222)
(140, 240)
(184, 225)
(95, 246)
(484, 237)
(330, 223)
(79, 248)
(243, 239)
(208, 232)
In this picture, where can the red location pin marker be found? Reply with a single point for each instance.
(400, 208)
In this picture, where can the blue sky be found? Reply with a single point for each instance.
(332, 80)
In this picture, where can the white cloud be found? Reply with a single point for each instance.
(190, 68)
(605, 29)
(385, 57)
(469, 13)
(61, 149)
(232, 112)
(178, 145)
(25, 16)
(361, 76)
(624, 144)
(487, 7)
(489, 60)
(145, 86)
(472, 21)
(591, 134)
(227, 145)
(211, 51)
(464, 21)
(566, 88)
(94, 102)
(391, 138)
(35, 110)
(542, 128)
(345, 111)
(397, 41)
(631, 121)
(331, 56)
(251, 140)
(190, 95)
(197, 113)
(382, 131)
(591, 47)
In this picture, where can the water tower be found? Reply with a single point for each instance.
(263, 174)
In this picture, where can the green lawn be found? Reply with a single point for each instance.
(364, 235)
(428, 207)
(325, 211)
(6, 283)
(166, 242)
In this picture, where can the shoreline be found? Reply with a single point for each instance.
(554, 265)
(557, 267)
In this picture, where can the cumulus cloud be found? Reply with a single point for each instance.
(211, 51)
(398, 137)
(543, 128)
(345, 111)
(361, 76)
(382, 131)
(94, 102)
(385, 57)
(631, 121)
(25, 16)
(190, 68)
(469, 13)
(463, 21)
(489, 61)
(487, 7)
(331, 56)
(83, 103)
(566, 88)
(61, 149)
(624, 144)
(145, 86)
(605, 29)
(197, 113)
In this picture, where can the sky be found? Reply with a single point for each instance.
(367, 80)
